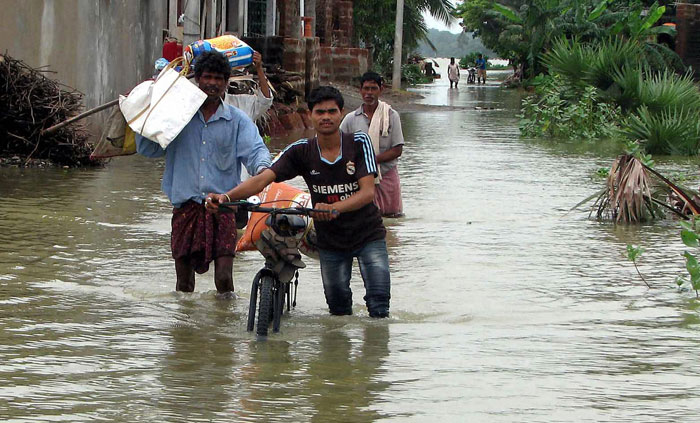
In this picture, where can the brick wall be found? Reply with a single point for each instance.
(294, 56)
(688, 37)
(343, 63)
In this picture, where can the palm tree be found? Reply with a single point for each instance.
(374, 25)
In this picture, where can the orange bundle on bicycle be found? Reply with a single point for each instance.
(278, 195)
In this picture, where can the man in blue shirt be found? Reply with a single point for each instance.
(207, 157)
(481, 70)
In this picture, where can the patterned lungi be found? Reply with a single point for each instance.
(387, 195)
(202, 236)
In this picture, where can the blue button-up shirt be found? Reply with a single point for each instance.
(207, 156)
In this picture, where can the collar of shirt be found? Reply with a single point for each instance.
(361, 111)
(222, 112)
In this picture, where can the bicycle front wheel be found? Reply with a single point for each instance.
(279, 307)
(266, 305)
(253, 303)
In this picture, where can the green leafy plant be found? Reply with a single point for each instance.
(609, 56)
(412, 75)
(267, 139)
(634, 149)
(602, 173)
(569, 59)
(633, 254)
(690, 237)
(668, 132)
(558, 111)
(667, 91)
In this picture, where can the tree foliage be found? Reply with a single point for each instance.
(521, 30)
(374, 26)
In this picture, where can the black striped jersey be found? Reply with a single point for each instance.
(329, 182)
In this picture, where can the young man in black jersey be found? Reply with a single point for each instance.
(339, 170)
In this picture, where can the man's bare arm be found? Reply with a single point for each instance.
(250, 186)
(390, 154)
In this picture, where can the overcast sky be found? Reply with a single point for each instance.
(432, 23)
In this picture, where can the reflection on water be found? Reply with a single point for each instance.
(505, 306)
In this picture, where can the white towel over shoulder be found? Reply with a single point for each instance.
(379, 127)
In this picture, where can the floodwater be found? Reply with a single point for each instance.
(505, 308)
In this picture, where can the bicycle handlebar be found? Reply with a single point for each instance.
(246, 205)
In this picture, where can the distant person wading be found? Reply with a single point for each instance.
(453, 72)
(481, 70)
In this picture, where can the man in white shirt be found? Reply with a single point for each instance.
(254, 105)
(383, 125)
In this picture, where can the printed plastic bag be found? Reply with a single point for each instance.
(159, 110)
(236, 51)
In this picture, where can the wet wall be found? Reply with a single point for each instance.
(100, 47)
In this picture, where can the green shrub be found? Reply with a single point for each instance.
(625, 92)
(555, 112)
(412, 75)
(568, 59)
(668, 132)
(609, 57)
(667, 91)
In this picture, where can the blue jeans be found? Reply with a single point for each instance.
(336, 267)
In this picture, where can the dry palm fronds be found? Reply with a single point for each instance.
(629, 190)
(31, 102)
(635, 193)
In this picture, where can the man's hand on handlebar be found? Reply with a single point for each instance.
(325, 216)
(212, 201)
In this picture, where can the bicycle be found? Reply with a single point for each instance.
(279, 243)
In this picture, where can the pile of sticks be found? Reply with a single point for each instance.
(286, 85)
(30, 102)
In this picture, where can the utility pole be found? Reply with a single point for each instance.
(398, 45)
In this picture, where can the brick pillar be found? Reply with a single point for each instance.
(290, 18)
(324, 21)
(344, 20)
(688, 33)
(294, 55)
(311, 77)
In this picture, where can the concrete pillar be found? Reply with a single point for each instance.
(172, 17)
(271, 18)
(310, 11)
(244, 16)
(398, 45)
(191, 24)
(213, 8)
(224, 15)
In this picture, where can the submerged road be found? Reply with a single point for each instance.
(504, 307)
